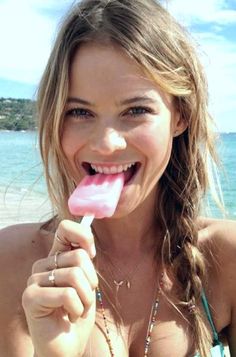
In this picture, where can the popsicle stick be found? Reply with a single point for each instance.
(87, 220)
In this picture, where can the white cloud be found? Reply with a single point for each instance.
(26, 37)
(219, 61)
(205, 11)
(217, 51)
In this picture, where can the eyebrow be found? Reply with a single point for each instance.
(78, 100)
(143, 98)
(123, 102)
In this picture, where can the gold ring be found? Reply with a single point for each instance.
(56, 259)
(51, 277)
(61, 241)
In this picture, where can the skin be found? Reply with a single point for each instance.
(105, 132)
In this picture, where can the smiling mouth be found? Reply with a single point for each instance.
(129, 170)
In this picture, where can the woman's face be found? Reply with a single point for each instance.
(117, 117)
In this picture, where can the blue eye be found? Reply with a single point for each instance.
(77, 112)
(138, 111)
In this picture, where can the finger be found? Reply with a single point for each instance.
(40, 302)
(74, 258)
(67, 277)
(73, 234)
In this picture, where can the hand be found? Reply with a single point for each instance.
(61, 312)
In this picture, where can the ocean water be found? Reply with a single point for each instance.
(23, 195)
(227, 153)
(20, 162)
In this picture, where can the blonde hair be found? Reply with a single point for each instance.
(149, 35)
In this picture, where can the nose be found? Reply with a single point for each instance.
(107, 141)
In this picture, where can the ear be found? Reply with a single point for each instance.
(179, 125)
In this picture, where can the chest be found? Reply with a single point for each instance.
(129, 338)
(171, 335)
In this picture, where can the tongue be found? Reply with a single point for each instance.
(128, 174)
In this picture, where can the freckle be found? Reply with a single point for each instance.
(33, 241)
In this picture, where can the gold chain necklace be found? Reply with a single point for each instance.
(129, 276)
(151, 323)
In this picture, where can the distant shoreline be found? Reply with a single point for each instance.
(17, 114)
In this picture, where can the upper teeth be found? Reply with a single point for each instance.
(112, 169)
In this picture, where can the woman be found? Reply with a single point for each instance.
(123, 91)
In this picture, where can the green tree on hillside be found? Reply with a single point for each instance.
(17, 114)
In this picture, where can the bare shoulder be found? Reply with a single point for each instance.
(217, 239)
(20, 246)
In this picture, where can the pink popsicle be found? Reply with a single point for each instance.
(96, 196)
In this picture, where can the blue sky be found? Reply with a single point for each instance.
(28, 27)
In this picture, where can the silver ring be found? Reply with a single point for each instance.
(51, 277)
(56, 259)
(61, 241)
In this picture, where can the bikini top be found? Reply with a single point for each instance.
(217, 349)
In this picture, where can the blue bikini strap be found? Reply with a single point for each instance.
(209, 317)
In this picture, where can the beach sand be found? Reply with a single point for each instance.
(21, 206)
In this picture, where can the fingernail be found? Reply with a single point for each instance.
(93, 251)
(75, 245)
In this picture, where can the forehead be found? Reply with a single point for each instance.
(107, 70)
(92, 55)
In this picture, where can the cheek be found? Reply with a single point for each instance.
(71, 141)
(155, 141)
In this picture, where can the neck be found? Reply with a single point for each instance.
(122, 237)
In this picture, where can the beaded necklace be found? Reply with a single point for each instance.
(151, 324)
